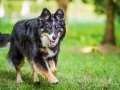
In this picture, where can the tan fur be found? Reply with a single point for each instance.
(59, 34)
(43, 50)
(18, 75)
(52, 66)
(44, 34)
(37, 69)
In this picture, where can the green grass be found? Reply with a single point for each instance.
(75, 70)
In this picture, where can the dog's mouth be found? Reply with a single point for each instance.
(53, 43)
(47, 40)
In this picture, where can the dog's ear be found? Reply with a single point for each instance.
(59, 14)
(63, 33)
(45, 15)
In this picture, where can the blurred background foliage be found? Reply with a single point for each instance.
(101, 4)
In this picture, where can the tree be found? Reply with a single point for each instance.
(109, 30)
(112, 8)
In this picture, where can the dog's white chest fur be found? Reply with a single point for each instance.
(46, 43)
(50, 52)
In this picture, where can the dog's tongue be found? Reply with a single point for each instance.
(52, 43)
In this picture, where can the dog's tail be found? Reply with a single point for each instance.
(4, 40)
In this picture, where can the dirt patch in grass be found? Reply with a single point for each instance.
(105, 49)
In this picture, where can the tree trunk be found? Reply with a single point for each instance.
(109, 32)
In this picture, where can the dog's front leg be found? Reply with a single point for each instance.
(40, 67)
(52, 63)
(52, 66)
(34, 70)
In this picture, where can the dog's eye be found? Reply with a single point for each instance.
(49, 26)
(56, 26)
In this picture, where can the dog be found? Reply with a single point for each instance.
(4, 39)
(38, 40)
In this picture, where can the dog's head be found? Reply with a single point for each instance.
(53, 30)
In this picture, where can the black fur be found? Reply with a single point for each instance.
(4, 39)
(27, 39)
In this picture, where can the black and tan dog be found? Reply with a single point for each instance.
(39, 40)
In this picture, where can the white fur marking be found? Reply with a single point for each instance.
(51, 53)
(51, 35)
(53, 23)
(61, 30)
(42, 29)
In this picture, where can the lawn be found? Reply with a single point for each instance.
(75, 70)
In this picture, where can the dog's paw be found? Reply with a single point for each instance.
(19, 81)
(55, 81)
(37, 82)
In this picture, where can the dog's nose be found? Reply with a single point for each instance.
(54, 37)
